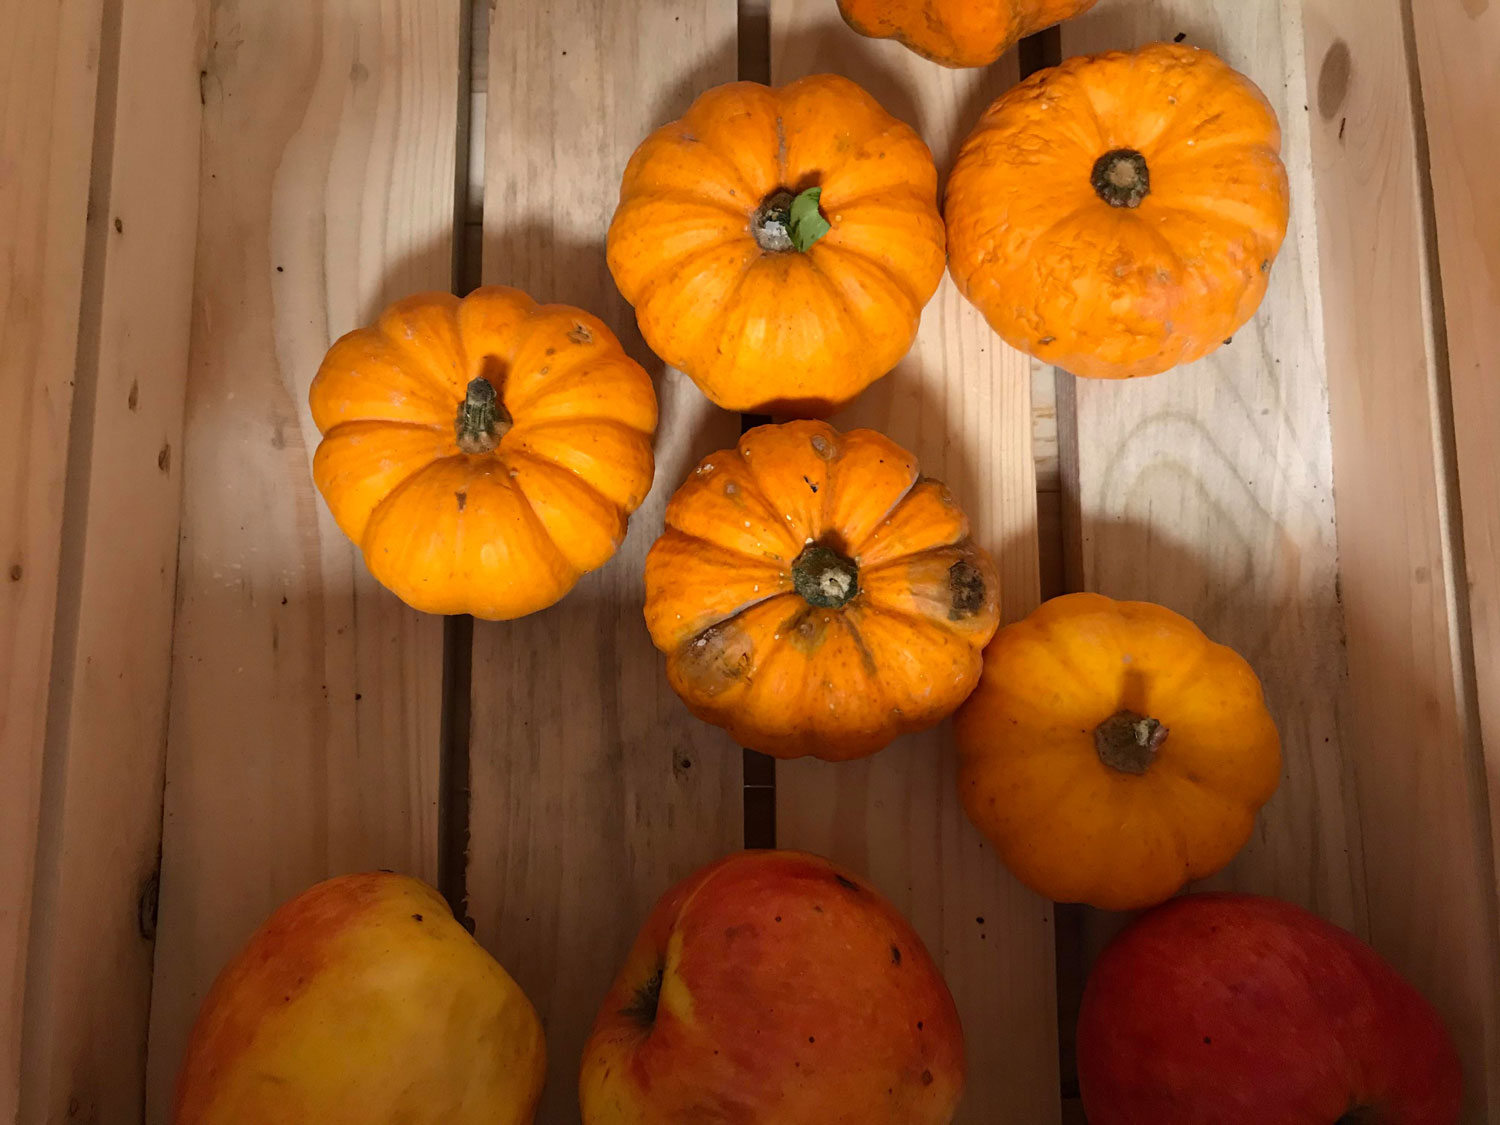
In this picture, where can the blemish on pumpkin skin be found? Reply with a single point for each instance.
(966, 590)
(716, 659)
(462, 498)
(580, 334)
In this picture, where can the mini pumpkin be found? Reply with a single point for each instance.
(815, 595)
(779, 244)
(1112, 752)
(1118, 215)
(958, 32)
(483, 453)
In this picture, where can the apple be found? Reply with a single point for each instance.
(363, 1001)
(1242, 1010)
(775, 987)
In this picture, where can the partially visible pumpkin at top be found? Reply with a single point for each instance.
(778, 245)
(483, 453)
(958, 32)
(816, 595)
(1118, 215)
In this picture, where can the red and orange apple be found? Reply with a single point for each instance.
(774, 987)
(363, 1001)
(1242, 1010)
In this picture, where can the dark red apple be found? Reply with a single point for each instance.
(1242, 1010)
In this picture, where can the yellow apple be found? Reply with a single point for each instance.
(362, 1002)
(773, 988)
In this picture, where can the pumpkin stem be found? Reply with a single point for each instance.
(482, 421)
(1121, 178)
(1129, 742)
(824, 577)
(787, 222)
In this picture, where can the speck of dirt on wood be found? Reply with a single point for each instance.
(119, 225)
(1179, 37)
(164, 458)
(133, 399)
(16, 572)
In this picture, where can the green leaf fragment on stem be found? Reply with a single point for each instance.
(806, 224)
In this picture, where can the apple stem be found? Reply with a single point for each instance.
(642, 1007)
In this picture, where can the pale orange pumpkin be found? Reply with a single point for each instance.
(958, 32)
(1118, 215)
(779, 244)
(483, 453)
(815, 595)
(1112, 752)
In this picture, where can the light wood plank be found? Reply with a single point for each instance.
(962, 401)
(592, 787)
(1458, 57)
(48, 81)
(89, 979)
(1209, 488)
(305, 711)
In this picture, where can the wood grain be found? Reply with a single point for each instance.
(1209, 488)
(592, 787)
(305, 712)
(1458, 57)
(50, 79)
(89, 977)
(962, 402)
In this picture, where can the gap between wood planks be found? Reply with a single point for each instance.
(759, 770)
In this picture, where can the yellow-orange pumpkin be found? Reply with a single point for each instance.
(958, 32)
(482, 453)
(1112, 752)
(1118, 215)
(779, 244)
(815, 594)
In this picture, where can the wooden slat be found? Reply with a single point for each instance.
(1209, 488)
(89, 978)
(962, 402)
(48, 81)
(1458, 57)
(592, 787)
(305, 711)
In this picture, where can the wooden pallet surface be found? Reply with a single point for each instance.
(1322, 494)
(306, 701)
(47, 134)
(593, 789)
(961, 401)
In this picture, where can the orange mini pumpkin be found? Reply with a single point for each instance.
(815, 594)
(958, 32)
(482, 453)
(1112, 752)
(1118, 215)
(779, 244)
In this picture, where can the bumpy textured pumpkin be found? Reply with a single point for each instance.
(482, 453)
(1112, 752)
(778, 244)
(815, 594)
(1118, 215)
(957, 32)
